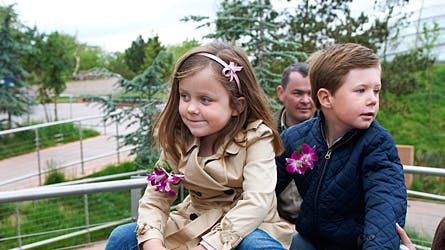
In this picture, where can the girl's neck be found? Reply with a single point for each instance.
(206, 146)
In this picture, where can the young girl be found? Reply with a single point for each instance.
(217, 135)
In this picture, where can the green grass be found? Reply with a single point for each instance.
(409, 121)
(67, 212)
(24, 142)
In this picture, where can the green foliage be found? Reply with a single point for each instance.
(255, 25)
(14, 98)
(409, 124)
(23, 142)
(117, 169)
(135, 55)
(178, 51)
(317, 24)
(152, 49)
(91, 57)
(54, 175)
(144, 109)
(116, 63)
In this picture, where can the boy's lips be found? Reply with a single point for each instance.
(368, 115)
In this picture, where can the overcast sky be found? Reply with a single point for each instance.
(114, 24)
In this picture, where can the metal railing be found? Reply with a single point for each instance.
(135, 185)
(34, 163)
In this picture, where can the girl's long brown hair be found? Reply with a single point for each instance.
(169, 129)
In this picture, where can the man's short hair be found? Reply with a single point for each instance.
(302, 68)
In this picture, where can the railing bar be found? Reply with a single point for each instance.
(66, 236)
(52, 231)
(426, 195)
(423, 170)
(14, 130)
(63, 166)
(36, 193)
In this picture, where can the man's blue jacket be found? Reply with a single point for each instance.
(355, 194)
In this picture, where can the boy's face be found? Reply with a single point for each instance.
(356, 103)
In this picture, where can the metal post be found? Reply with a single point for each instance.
(17, 224)
(38, 155)
(81, 147)
(87, 216)
(71, 107)
(117, 142)
(135, 195)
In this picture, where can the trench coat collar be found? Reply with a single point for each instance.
(233, 147)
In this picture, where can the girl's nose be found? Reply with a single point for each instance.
(192, 108)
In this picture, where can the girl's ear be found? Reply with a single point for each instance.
(324, 97)
(240, 106)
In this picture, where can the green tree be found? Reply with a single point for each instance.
(255, 26)
(92, 57)
(152, 48)
(14, 98)
(319, 23)
(115, 62)
(135, 55)
(144, 109)
(178, 51)
(57, 61)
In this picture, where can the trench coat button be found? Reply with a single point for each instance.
(229, 191)
(193, 216)
(198, 193)
(371, 237)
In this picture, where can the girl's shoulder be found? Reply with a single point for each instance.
(257, 128)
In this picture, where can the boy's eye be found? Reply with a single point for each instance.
(376, 91)
(360, 90)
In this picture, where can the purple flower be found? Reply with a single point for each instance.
(299, 163)
(162, 180)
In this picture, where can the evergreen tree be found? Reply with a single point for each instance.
(57, 61)
(14, 97)
(152, 48)
(135, 55)
(144, 110)
(254, 25)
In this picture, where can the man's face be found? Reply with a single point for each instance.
(296, 99)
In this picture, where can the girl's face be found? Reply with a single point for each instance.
(204, 104)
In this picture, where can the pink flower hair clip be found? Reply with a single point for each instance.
(229, 70)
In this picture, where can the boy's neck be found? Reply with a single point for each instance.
(332, 131)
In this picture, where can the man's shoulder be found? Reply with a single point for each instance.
(302, 128)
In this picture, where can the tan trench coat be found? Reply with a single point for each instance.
(229, 196)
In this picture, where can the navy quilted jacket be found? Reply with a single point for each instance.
(355, 194)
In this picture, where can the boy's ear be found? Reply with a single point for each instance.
(240, 106)
(324, 97)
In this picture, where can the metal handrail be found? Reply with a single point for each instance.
(60, 191)
(78, 187)
(36, 126)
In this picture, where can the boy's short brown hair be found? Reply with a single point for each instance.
(329, 67)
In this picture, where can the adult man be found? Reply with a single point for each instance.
(298, 106)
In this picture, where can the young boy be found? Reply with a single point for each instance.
(349, 173)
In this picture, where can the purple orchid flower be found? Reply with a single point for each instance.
(162, 180)
(299, 163)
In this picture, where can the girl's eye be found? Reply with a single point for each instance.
(184, 97)
(360, 90)
(376, 91)
(205, 100)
